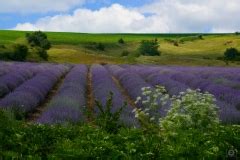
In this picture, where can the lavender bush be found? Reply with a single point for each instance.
(68, 104)
(32, 92)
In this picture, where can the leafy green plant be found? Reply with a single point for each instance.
(19, 53)
(121, 41)
(38, 39)
(40, 43)
(100, 47)
(2, 46)
(231, 54)
(149, 48)
(152, 101)
(107, 120)
(42, 53)
(190, 125)
(125, 53)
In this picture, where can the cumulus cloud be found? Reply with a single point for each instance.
(197, 16)
(37, 6)
(160, 16)
(115, 18)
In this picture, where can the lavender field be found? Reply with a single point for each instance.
(57, 93)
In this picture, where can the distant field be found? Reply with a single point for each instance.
(71, 48)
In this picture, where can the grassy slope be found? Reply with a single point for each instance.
(70, 47)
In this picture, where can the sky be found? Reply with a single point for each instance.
(122, 16)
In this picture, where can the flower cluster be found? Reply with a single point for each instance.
(152, 100)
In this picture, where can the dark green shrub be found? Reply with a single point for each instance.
(176, 43)
(191, 38)
(149, 48)
(20, 52)
(231, 54)
(38, 39)
(4, 54)
(237, 33)
(100, 47)
(200, 36)
(42, 53)
(2, 46)
(125, 53)
(121, 41)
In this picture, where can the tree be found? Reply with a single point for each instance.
(100, 47)
(121, 41)
(125, 53)
(19, 53)
(149, 48)
(42, 53)
(231, 53)
(38, 39)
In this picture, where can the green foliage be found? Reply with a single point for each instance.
(4, 54)
(231, 54)
(191, 38)
(100, 46)
(174, 42)
(42, 53)
(125, 53)
(190, 125)
(149, 48)
(200, 36)
(107, 120)
(95, 46)
(19, 53)
(191, 128)
(95, 143)
(16, 52)
(40, 43)
(38, 39)
(148, 115)
(121, 41)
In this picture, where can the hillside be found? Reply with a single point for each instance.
(80, 48)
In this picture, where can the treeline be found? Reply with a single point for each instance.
(36, 45)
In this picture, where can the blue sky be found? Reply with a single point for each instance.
(148, 16)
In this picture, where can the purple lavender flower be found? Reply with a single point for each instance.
(68, 104)
(32, 92)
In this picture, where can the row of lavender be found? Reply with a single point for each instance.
(177, 79)
(13, 75)
(33, 90)
(103, 84)
(68, 103)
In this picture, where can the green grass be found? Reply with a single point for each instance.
(71, 48)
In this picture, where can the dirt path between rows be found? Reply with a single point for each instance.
(90, 98)
(129, 100)
(37, 112)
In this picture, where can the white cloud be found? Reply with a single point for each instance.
(115, 18)
(166, 16)
(198, 16)
(37, 6)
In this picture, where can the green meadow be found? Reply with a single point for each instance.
(78, 48)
